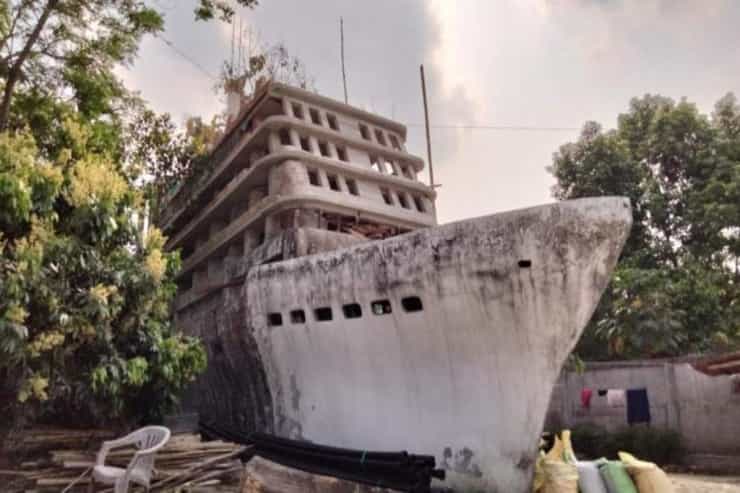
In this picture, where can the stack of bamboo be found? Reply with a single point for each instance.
(184, 461)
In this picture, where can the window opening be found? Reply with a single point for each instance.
(412, 304)
(419, 204)
(324, 149)
(298, 317)
(403, 200)
(333, 122)
(284, 137)
(380, 137)
(298, 110)
(352, 310)
(386, 196)
(305, 145)
(333, 182)
(323, 314)
(313, 178)
(352, 186)
(342, 153)
(394, 142)
(381, 307)
(274, 319)
(364, 131)
(314, 114)
(525, 264)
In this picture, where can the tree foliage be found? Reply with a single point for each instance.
(84, 298)
(676, 289)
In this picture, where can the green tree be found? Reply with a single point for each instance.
(676, 288)
(85, 333)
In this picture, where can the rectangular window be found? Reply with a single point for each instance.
(386, 196)
(381, 307)
(380, 137)
(333, 122)
(323, 314)
(352, 310)
(352, 186)
(394, 142)
(333, 182)
(305, 144)
(364, 131)
(274, 319)
(324, 149)
(284, 136)
(297, 110)
(315, 117)
(298, 317)
(313, 178)
(403, 200)
(419, 204)
(342, 153)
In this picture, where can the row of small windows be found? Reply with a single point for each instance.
(379, 137)
(315, 116)
(305, 145)
(410, 304)
(403, 200)
(333, 181)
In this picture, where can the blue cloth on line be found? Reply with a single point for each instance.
(638, 406)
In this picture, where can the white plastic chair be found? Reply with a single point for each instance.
(148, 440)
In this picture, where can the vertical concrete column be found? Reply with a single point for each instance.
(215, 270)
(333, 150)
(251, 239)
(288, 178)
(272, 225)
(287, 108)
(231, 261)
(313, 143)
(273, 142)
(200, 279)
(295, 139)
(323, 118)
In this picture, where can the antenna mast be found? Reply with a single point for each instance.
(426, 123)
(344, 73)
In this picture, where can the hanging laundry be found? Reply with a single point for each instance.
(586, 397)
(638, 406)
(616, 397)
(601, 392)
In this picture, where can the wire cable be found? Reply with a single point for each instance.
(185, 56)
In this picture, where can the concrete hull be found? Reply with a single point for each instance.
(468, 377)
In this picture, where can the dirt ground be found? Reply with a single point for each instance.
(689, 483)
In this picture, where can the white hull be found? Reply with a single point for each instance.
(468, 378)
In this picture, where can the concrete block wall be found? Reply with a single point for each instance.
(704, 409)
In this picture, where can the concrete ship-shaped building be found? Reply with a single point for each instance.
(335, 310)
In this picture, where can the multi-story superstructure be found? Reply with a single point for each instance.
(323, 322)
(294, 173)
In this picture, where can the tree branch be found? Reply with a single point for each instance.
(15, 71)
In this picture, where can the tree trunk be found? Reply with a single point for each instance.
(15, 71)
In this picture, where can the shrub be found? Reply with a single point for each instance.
(658, 445)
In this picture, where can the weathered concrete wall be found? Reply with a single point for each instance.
(704, 409)
(468, 377)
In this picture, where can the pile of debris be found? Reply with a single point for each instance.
(69, 455)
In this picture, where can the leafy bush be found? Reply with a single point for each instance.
(657, 445)
(85, 332)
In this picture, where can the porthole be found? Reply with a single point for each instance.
(274, 319)
(323, 314)
(412, 304)
(298, 317)
(381, 307)
(352, 310)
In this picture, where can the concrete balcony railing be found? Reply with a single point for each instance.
(268, 205)
(258, 172)
(276, 123)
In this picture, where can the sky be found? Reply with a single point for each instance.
(546, 65)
